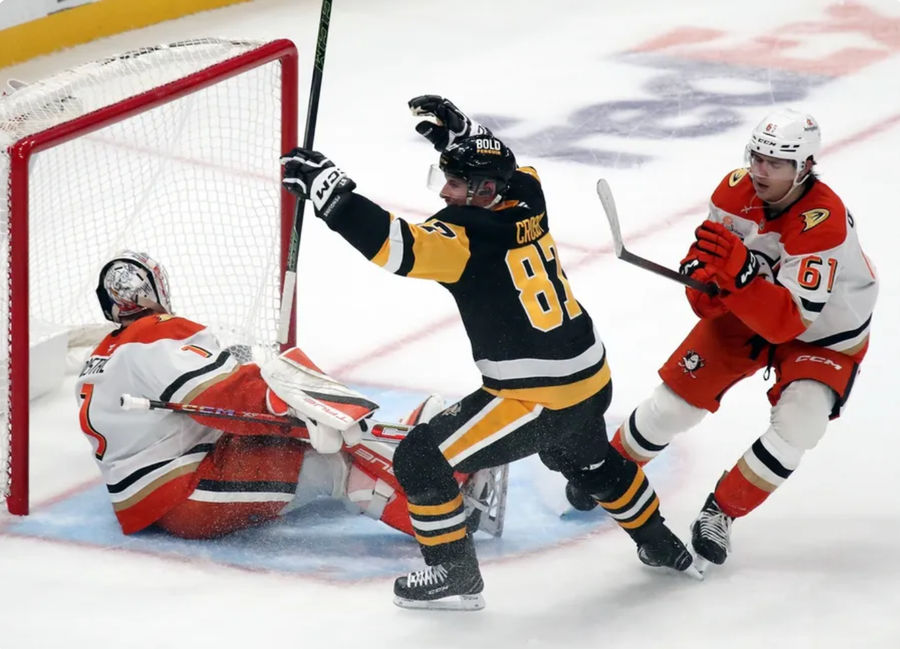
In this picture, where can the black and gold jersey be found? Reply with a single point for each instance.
(530, 337)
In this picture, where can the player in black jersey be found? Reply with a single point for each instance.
(546, 383)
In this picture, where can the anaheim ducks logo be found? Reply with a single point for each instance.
(812, 218)
(736, 177)
(691, 362)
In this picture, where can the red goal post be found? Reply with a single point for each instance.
(172, 150)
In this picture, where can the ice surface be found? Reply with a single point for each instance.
(658, 97)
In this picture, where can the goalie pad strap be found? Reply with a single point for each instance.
(375, 499)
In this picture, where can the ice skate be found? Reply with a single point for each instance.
(659, 547)
(711, 534)
(580, 499)
(450, 586)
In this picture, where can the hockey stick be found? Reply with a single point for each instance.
(612, 215)
(289, 287)
(373, 431)
(493, 509)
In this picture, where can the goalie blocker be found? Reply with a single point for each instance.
(331, 410)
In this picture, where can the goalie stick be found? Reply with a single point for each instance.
(486, 493)
(609, 206)
(289, 285)
(373, 431)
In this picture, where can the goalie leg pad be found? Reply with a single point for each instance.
(377, 499)
(312, 394)
(321, 476)
(433, 404)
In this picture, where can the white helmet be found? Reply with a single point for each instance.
(132, 282)
(789, 135)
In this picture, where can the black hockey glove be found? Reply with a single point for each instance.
(445, 122)
(309, 174)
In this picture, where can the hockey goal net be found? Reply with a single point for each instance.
(171, 150)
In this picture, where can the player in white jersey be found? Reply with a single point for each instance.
(796, 294)
(202, 477)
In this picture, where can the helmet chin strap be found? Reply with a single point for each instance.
(793, 186)
(797, 182)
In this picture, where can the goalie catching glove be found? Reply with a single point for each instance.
(444, 123)
(309, 174)
(330, 409)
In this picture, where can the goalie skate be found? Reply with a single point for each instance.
(484, 497)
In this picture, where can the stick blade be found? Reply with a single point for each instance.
(612, 215)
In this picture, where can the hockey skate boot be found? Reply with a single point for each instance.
(579, 498)
(484, 496)
(453, 585)
(659, 547)
(711, 532)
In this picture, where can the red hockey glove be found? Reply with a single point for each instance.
(726, 255)
(705, 306)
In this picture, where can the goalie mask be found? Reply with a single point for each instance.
(132, 282)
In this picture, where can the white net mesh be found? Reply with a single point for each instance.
(194, 182)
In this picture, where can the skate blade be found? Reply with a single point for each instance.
(693, 571)
(701, 565)
(452, 603)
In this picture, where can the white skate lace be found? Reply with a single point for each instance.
(430, 575)
(716, 527)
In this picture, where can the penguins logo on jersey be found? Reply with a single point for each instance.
(453, 410)
(812, 218)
